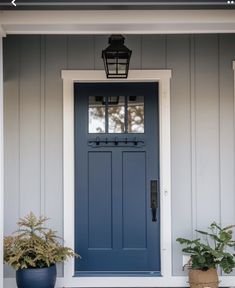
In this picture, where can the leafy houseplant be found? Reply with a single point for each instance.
(209, 253)
(35, 248)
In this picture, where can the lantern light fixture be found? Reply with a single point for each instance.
(116, 57)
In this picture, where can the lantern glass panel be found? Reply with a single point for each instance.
(111, 68)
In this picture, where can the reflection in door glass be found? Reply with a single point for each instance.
(135, 114)
(116, 114)
(96, 114)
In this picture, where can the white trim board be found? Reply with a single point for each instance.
(163, 78)
(115, 21)
(174, 281)
(2, 33)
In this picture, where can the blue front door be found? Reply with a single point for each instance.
(117, 225)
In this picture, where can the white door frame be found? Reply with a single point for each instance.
(163, 78)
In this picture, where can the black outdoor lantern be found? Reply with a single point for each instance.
(116, 57)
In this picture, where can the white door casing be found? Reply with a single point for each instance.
(163, 78)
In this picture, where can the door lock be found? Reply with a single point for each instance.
(154, 199)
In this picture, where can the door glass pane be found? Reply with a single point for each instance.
(135, 114)
(116, 114)
(96, 114)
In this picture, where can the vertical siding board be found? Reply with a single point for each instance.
(11, 132)
(55, 62)
(99, 43)
(227, 54)
(193, 137)
(30, 125)
(134, 43)
(207, 130)
(153, 51)
(42, 124)
(178, 59)
(78, 46)
(11, 137)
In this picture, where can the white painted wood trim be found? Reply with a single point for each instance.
(114, 21)
(175, 281)
(163, 77)
(115, 16)
(100, 76)
(1, 167)
(2, 32)
(165, 176)
(68, 170)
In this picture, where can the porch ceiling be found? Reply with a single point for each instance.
(117, 21)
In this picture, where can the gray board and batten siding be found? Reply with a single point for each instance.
(202, 123)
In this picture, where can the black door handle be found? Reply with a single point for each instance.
(154, 214)
(154, 200)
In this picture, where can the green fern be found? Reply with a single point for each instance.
(34, 246)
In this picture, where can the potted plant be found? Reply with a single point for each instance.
(33, 251)
(213, 251)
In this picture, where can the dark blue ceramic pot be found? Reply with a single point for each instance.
(36, 277)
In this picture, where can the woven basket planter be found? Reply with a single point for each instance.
(203, 279)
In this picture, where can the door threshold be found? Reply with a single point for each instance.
(117, 274)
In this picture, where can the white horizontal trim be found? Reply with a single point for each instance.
(116, 21)
(119, 29)
(174, 281)
(99, 75)
(117, 16)
(134, 29)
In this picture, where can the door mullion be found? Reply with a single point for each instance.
(126, 114)
(106, 115)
